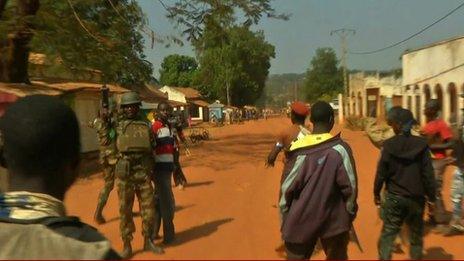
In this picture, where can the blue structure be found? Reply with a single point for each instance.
(215, 110)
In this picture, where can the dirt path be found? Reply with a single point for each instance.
(228, 210)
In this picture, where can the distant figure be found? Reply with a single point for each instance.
(325, 207)
(41, 149)
(405, 168)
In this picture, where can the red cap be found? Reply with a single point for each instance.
(300, 108)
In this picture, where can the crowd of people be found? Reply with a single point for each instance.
(317, 195)
(318, 199)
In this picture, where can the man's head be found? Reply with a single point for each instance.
(404, 122)
(392, 115)
(130, 104)
(299, 112)
(41, 149)
(164, 111)
(322, 116)
(432, 107)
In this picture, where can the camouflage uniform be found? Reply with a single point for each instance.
(108, 159)
(135, 163)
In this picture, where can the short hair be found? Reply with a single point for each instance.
(40, 136)
(393, 113)
(321, 112)
(163, 103)
(433, 104)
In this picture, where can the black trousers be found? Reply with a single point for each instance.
(335, 248)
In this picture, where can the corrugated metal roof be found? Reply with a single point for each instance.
(22, 90)
(201, 103)
(189, 93)
(77, 86)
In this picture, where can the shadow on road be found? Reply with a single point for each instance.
(437, 253)
(199, 184)
(199, 231)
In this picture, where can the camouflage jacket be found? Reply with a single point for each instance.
(106, 138)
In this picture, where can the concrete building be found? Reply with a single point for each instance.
(435, 71)
(197, 108)
(373, 95)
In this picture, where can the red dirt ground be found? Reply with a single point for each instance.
(228, 210)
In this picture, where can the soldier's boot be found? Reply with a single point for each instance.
(127, 251)
(150, 246)
(98, 217)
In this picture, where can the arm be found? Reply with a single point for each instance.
(380, 177)
(428, 177)
(272, 156)
(447, 145)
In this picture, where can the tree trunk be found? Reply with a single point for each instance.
(2, 7)
(18, 43)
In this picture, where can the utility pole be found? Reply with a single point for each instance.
(343, 34)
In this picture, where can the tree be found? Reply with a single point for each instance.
(236, 71)
(105, 36)
(324, 79)
(178, 70)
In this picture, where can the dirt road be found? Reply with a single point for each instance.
(228, 210)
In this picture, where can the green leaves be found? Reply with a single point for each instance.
(117, 50)
(178, 70)
(324, 79)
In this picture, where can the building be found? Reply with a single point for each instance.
(435, 71)
(373, 95)
(196, 107)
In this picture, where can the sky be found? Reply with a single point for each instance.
(378, 23)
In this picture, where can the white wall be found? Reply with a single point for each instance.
(431, 61)
(174, 95)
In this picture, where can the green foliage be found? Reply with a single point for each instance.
(178, 70)
(198, 16)
(114, 45)
(324, 80)
(241, 63)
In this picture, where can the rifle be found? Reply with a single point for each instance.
(354, 237)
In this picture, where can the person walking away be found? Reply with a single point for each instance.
(133, 170)
(405, 168)
(104, 125)
(299, 113)
(41, 151)
(319, 191)
(164, 165)
(439, 136)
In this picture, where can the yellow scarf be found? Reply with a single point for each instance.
(310, 140)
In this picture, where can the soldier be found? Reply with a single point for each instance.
(133, 170)
(108, 158)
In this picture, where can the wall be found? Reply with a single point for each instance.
(174, 95)
(86, 106)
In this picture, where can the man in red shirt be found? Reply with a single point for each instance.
(439, 136)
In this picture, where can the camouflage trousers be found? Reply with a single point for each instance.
(108, 177)
(457, 193)
(127, 190)
(396, 211)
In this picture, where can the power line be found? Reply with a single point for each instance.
(82, 23)
(414, 35)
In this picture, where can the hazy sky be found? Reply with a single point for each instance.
(378, 23)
